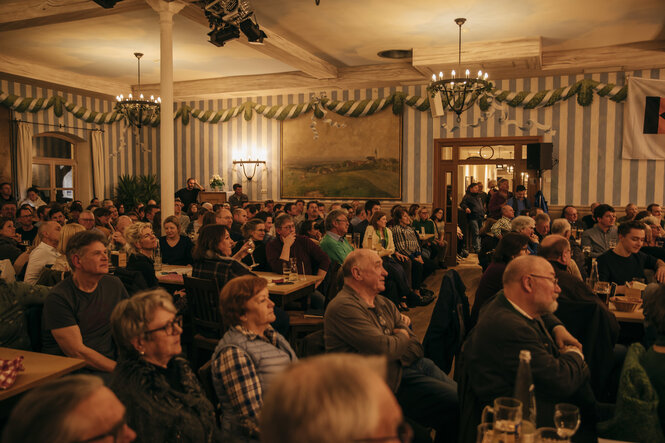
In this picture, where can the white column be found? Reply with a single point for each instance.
(166, 12)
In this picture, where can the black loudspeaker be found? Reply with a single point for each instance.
(539, 156)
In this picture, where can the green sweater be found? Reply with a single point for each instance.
(337, 250)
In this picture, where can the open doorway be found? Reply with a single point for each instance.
(459, 162)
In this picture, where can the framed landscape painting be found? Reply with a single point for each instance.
(359, 161)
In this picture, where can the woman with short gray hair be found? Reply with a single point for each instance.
(163, 397)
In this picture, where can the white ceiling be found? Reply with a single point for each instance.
(345, 33)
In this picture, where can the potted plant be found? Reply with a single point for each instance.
(216, 183)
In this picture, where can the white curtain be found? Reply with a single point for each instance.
(98, 178)
(24, 158)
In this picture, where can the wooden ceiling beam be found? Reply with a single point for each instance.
(372, 76)
(633, 56)
(18, 14)
(277, 47)
(22, 68)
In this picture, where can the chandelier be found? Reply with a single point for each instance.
(141, 111)
(459, 92)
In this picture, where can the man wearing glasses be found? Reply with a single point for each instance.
(77, 311)
(334, 243)
(520, 318)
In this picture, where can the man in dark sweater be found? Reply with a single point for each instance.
(626, 262)
(190, 193)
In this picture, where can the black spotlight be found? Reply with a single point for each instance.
(252, 31)
(219, 36)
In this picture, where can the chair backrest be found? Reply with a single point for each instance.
(205, 377)
(203, 303)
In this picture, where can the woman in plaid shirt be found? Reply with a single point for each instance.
(248, 357)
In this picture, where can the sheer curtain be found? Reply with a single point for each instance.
(98, 178)
(24, 158)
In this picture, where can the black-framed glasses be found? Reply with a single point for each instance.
(114, 432)
(404, 435)
(169, 328)
(554, 280)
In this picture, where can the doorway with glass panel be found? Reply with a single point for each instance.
(458, 162)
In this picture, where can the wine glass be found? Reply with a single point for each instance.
(566, 419)
(250, 250)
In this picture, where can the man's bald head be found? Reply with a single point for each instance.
(530, 282)
(553, 246)
(356, 259)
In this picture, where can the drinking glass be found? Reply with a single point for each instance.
(286, 270)
(356, 240)
(250, 250)
(566, 419)
(507, 416)
(602, 290)
(293, 265)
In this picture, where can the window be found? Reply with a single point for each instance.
(53, 168)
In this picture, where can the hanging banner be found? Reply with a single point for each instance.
(644, 120)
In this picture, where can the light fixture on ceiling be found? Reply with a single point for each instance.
(460, 91)
(228, 17)
(138, 111)
(396, 54)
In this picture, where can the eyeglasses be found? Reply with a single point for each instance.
(404, 435)
(114, 432)
(341, 220)
(169, 328)
(554, 280)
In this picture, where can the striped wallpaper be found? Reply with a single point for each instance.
(587, 143)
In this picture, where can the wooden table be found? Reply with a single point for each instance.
(291, 291)
(284, 293)
(39, 368)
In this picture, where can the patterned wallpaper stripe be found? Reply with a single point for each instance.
(587, 143)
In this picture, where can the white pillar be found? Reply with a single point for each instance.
(166, 12)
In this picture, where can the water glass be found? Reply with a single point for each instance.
(293, 266)
(566, 419)
(507, 416)
(286, 270)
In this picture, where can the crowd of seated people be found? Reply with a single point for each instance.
(132, 340)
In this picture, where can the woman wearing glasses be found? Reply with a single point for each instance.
(141, 243)
(248, 357)
(162, 395)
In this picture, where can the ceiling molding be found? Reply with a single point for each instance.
(629, 57)
(370, 76)
(22, 68)
(18, 14)
(277, 47)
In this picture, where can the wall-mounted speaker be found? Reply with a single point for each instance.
(539, 156)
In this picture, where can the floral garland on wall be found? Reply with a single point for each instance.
(583, 89)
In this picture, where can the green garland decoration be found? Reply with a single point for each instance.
(59, 105)
(583, 89)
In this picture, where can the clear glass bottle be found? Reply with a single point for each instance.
(525, 392)
(593, 275)
(157, 258)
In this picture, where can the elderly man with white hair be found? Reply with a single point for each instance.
(562, 227)
(525, 225)
(520, 318)
(359, 320)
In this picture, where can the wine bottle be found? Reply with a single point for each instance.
(525, 392)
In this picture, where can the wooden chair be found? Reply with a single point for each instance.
(302, 326)
(203, 304)
(205, 377)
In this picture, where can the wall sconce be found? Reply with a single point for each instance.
(256, 163)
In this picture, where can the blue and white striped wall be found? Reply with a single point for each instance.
(587, 142)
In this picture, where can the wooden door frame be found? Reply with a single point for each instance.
(438, 194)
